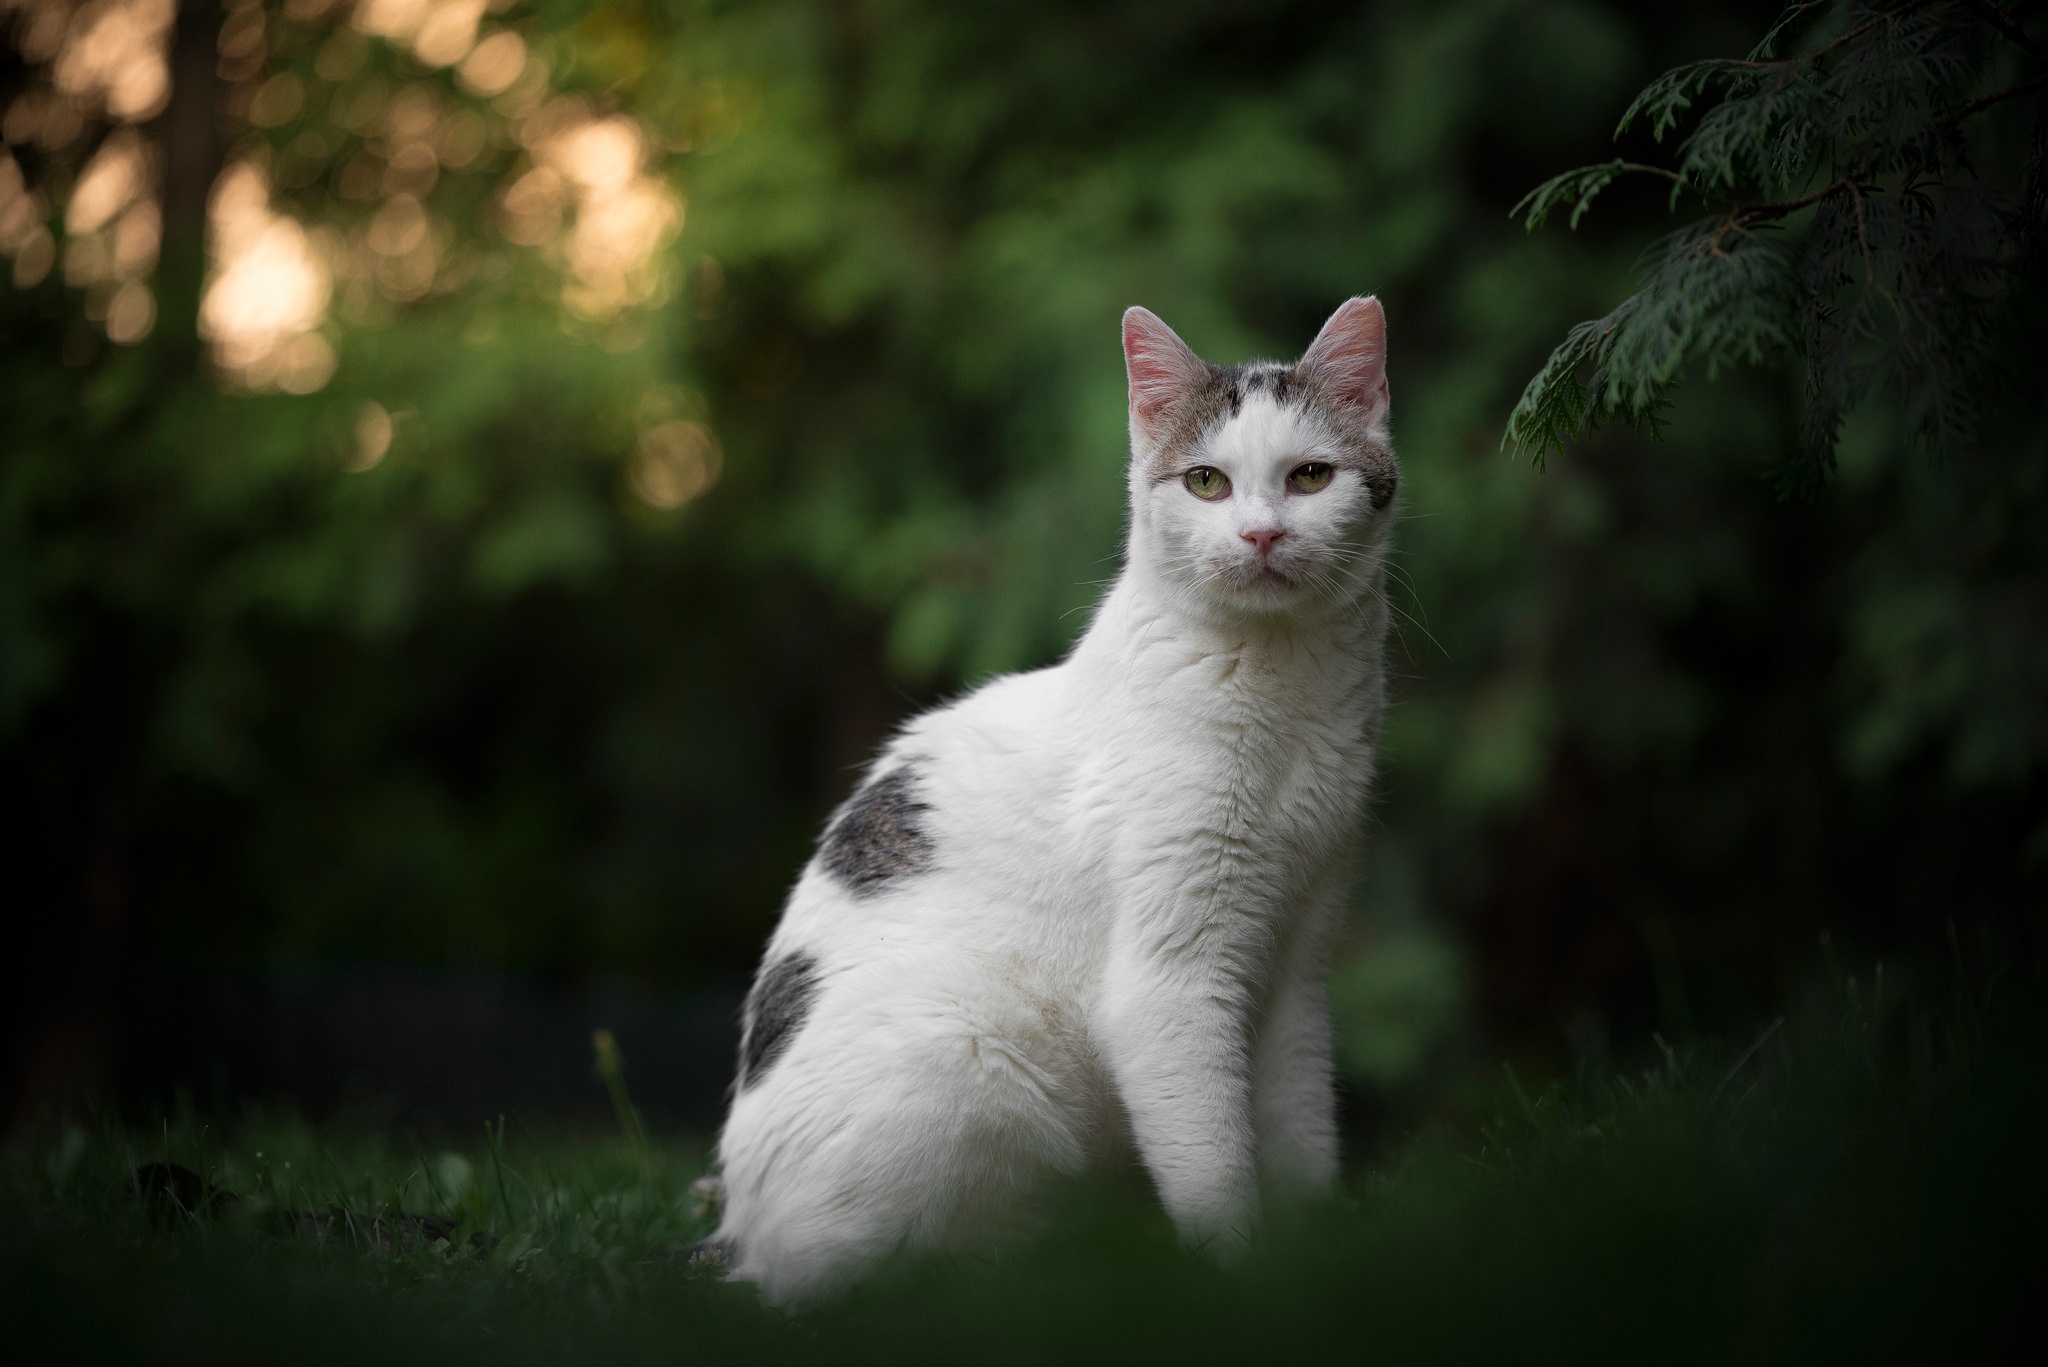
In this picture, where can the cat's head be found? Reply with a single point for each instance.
(1262, 488)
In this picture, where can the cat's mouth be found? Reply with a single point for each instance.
(1257, 576)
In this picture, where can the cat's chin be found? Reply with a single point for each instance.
(1260, 589)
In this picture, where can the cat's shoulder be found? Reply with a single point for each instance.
(1024, 701)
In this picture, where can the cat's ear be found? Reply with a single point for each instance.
(1161, 368)
(1348, 359)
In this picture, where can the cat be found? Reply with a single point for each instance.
(1089, 907)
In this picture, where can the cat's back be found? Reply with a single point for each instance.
(969, 799)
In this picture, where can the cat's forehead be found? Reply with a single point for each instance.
(1268, 421)
(1255, 388)
(1263, 377)
(1234, 411)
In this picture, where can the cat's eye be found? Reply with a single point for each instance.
(1311, 478)
(1206, 482)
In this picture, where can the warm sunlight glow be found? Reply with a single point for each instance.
(131, 313)
(115, 53)
(112, 229)
(110, 181)
(533, 207)
(439, 32)
(496, 63)
(623, 216)
(43, 118)
(393, 19)
(22, 234)
(676, 462)
(587, 194)
(277, 100)
(40, 29)
(406, 248)
(448, 33)
(136, 238)
(268, 291)
(373, 437)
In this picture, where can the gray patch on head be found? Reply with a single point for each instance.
(1207, 406)
(1382, 477)
(1221, 397)
(879, 835)
(1213, 402)
(1359, 450)
(776, 1008)
(1265, 377)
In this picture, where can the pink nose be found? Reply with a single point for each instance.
(1263, 538)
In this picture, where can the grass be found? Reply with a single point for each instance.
(1860, 1181)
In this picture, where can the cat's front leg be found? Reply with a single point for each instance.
(1174, 1030)
(1294, 1089)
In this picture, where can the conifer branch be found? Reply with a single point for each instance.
(1746, 214)
(1994, 16)
(1978, 106)
(1843, 40)
(1885, 291)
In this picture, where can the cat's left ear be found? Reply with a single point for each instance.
(1348, 358)
(1162, 371)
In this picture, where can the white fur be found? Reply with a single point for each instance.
(1139, 856)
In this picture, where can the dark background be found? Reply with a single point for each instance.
(370, 779)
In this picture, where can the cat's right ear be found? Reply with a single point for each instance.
(1162, 371)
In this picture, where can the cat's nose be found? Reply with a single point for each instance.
(1263, 538)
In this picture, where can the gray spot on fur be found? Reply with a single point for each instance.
(1221, 396)
(1209, 404)
(1259, 376)
(776, 1008)
(1375, 464)
(879, 835)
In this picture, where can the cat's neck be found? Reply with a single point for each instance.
(1146, 628)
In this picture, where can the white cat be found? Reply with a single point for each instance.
(1091, 905)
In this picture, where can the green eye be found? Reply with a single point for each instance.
(1205, 482)
(1311, 478)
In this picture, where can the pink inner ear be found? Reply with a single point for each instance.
(1160, 366)
(1350, 354)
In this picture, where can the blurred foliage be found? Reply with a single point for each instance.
(543, 628)
(1392, 1005)
(1905, 148)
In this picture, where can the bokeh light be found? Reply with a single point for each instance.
(43, 118)
(131, 313)
(448, 33)
(115, 53)
(23, 235)
(623, 216)
(585, 193)
(494, 65)
(106, 59)
(268, 291)
(373, 433)
(439, 32)
(112, 230)
(676, 462)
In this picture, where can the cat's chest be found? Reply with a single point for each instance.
(1278, 769)
(1249, 759)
